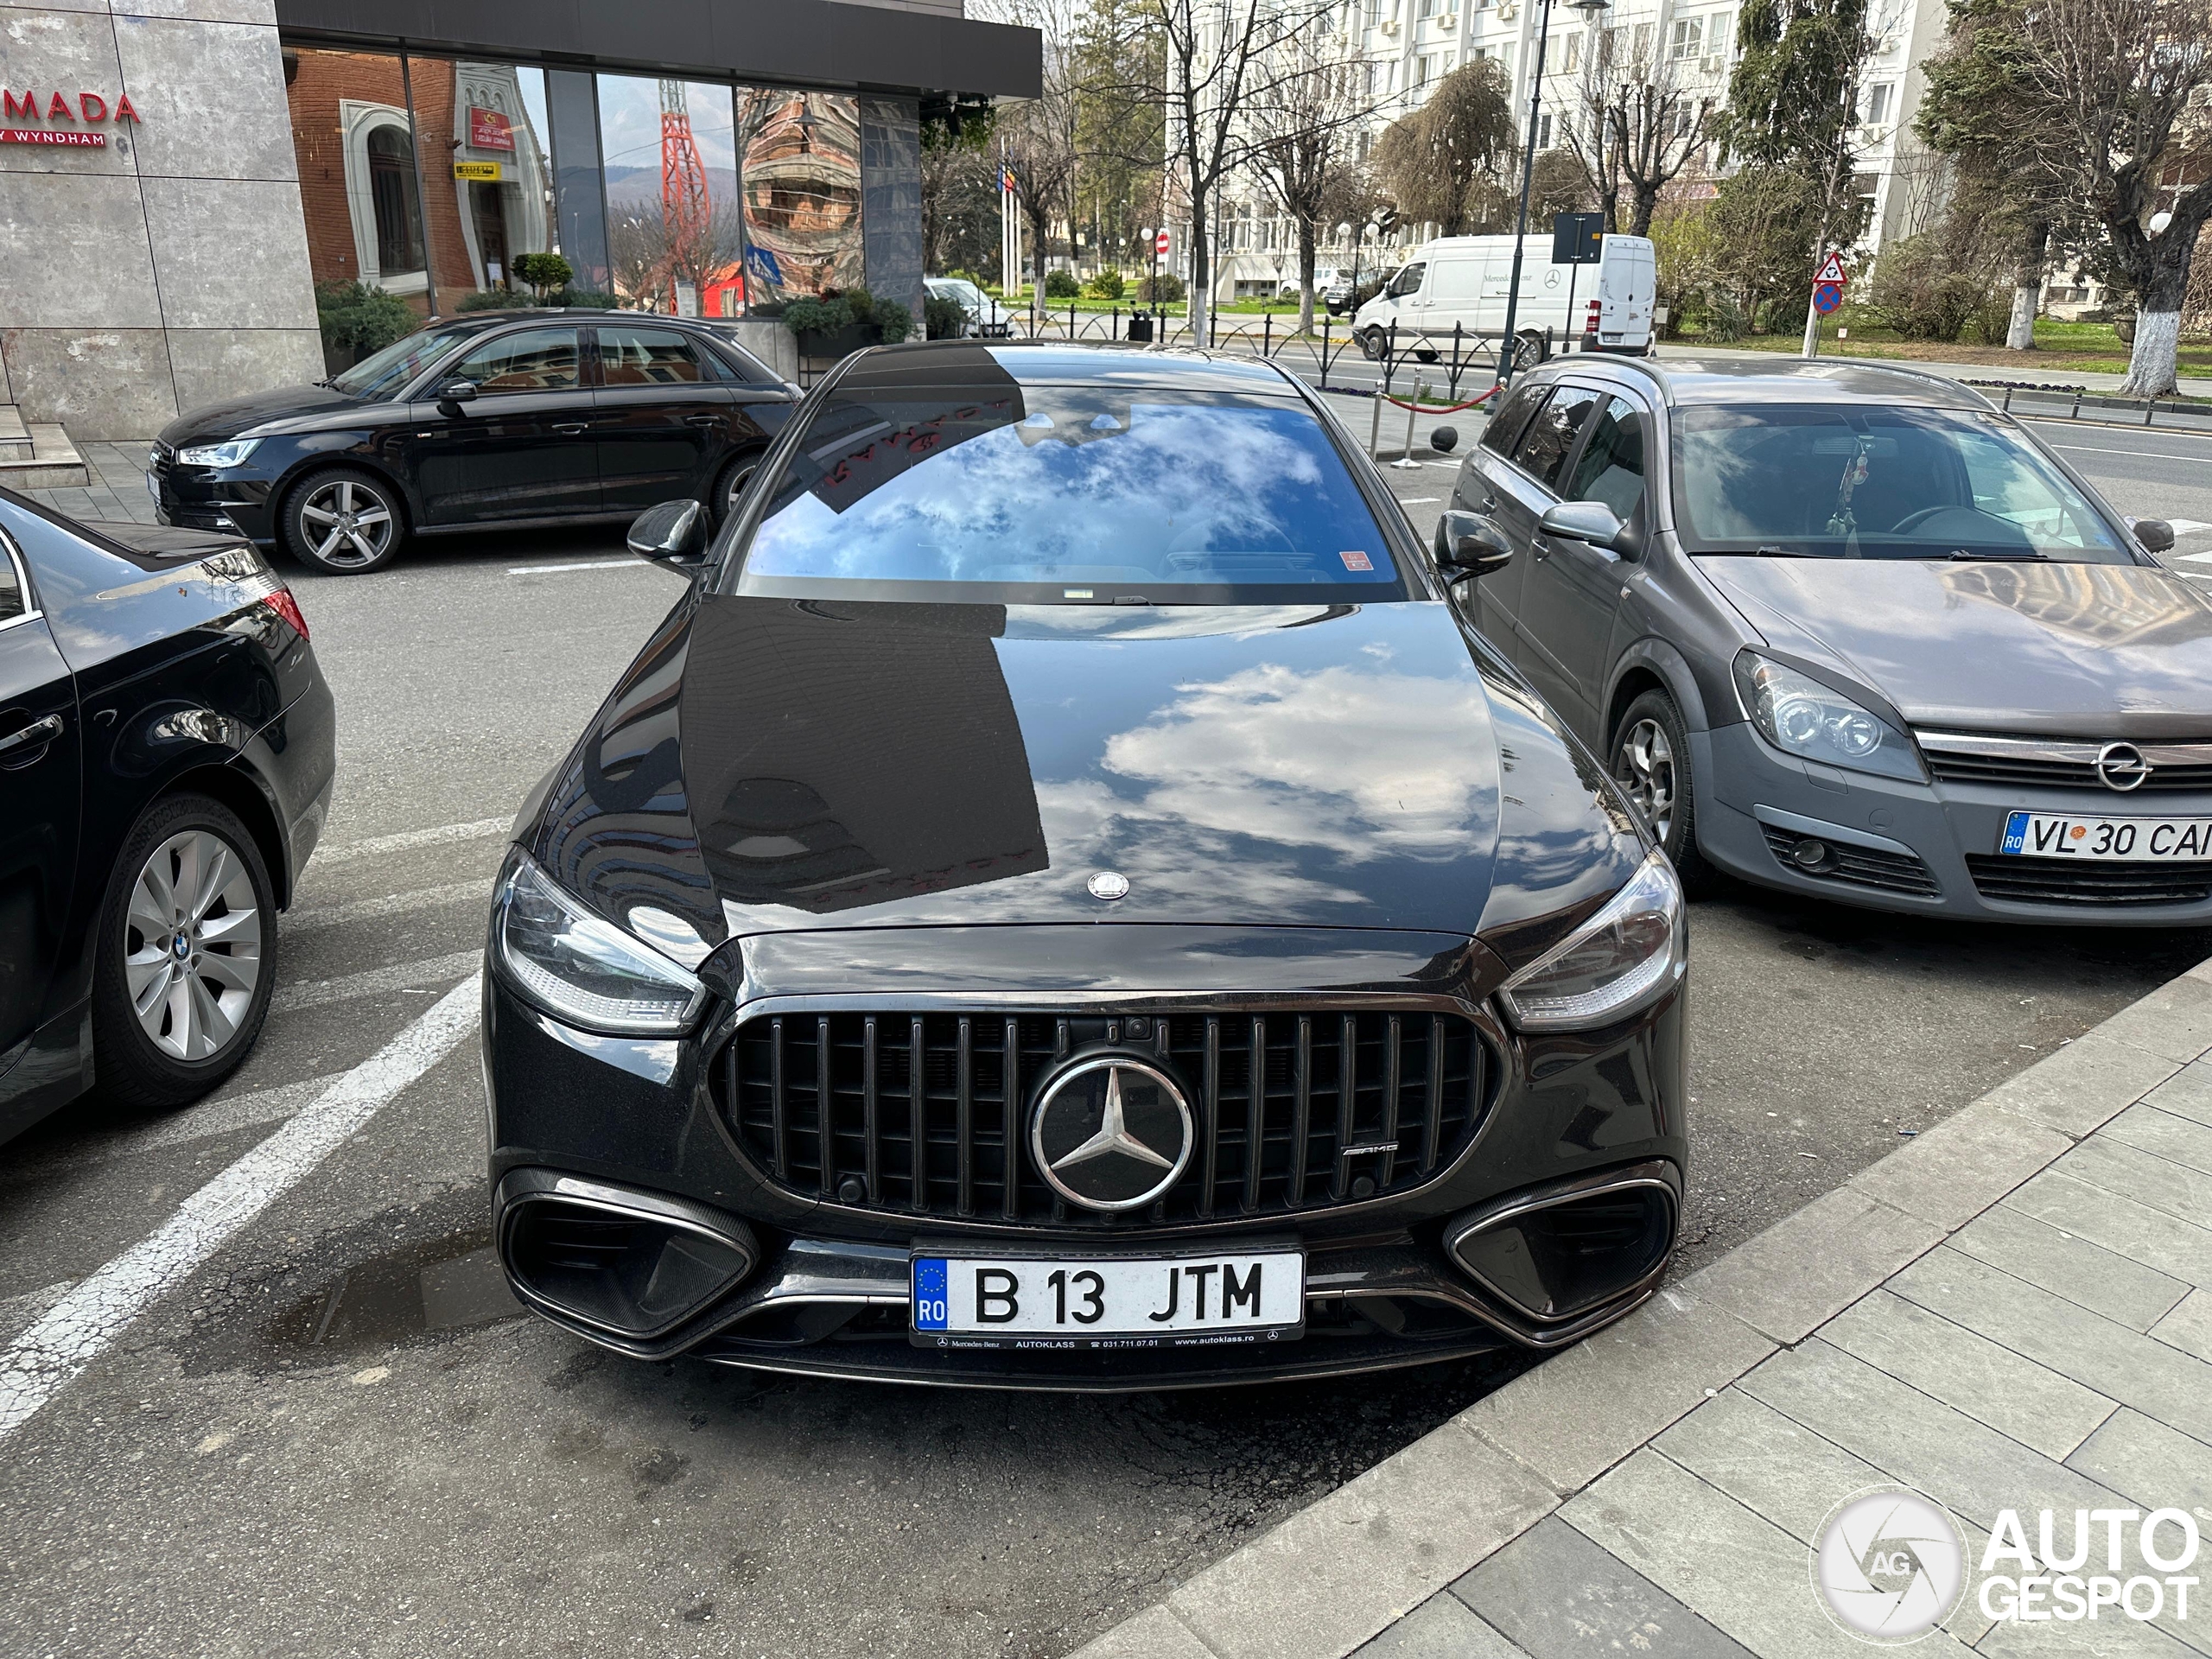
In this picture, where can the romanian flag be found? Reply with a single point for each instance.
(1006, 178)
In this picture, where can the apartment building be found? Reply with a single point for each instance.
(1408, 46)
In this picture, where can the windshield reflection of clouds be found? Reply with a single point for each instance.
(1086, 486)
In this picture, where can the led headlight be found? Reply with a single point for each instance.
(1625, 957)
(580, 967)
(1801, 716)
(232, 454)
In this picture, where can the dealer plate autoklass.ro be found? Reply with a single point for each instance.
(1080, 1301)
(2048, 835)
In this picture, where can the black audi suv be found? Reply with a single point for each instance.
(1065, 901)
(499, 420)
(167, 750)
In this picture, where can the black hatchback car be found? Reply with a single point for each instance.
(502, 419)
(167, 746)
(1064, 901)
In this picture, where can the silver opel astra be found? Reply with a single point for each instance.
(1850, 631)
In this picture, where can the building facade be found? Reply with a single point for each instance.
(180, 179)
(1405, 47)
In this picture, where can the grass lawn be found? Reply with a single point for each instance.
(2084, 347)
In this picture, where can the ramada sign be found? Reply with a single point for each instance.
(92, 108)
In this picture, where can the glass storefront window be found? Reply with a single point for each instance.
(491, 200)
(802, 194)
(423, 181)
(360, 184)
(675, 229)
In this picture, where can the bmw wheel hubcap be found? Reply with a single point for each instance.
(1645, 767)
(192, 945)
(348, 524)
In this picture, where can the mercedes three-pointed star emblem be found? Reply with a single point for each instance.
(1111, 1133)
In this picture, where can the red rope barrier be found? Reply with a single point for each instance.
(1432, 408)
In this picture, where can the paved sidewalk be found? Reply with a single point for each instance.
(118, 488)
(2014, 1311)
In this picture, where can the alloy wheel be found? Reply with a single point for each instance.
(1645, 765)
(192, 945)
(348, 524)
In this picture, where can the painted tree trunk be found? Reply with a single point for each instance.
(2151, 363)
(2027, 289)
(1305, 276)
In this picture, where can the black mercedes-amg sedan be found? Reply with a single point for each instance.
(1065, 901)
(166, 749)
(497, 420)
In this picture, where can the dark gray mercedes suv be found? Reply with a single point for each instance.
(1851, 631)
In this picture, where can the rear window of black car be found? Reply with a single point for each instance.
(1081, 494)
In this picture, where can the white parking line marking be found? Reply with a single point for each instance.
(1420, 500)
(211, 1117)
(2187, 527)
(81, 1326)
(577, 564)
(20, 1312)
(362, 910)
(410, 838)
(406, 977)
(2135, 454)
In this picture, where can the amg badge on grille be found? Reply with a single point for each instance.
(1111, 1133)
(1110, 884)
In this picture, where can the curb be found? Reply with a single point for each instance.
(1342, 1570)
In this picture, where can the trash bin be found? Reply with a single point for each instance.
(1140, 326)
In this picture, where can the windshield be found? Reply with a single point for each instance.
(1010, 494)
(1848, 482)
(382, 373)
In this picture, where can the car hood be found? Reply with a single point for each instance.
(770, 765)
(2052, 650)
(214, 423)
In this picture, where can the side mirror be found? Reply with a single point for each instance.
(1444, 440)
(2156, 535)
(673, 533)
(1468, 544)
(1584, 521)
(457, 391)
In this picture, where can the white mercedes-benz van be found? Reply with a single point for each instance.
(1465, 280)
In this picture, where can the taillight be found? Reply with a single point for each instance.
(285, 606)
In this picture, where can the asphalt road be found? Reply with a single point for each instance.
(334, 1435)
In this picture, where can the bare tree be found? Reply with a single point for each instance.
(1636, 126)
(1441, 160)
(638, 250)
(710, 249)
(1205, 66)
(1039, 140)
(2116, 116)
(1302, 139)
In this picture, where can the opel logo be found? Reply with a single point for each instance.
(2121, 765)
(1111, 1133)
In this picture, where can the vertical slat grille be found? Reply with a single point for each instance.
(928, 1113)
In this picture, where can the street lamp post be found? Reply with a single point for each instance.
(1506, 347)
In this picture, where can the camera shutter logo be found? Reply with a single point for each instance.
(1889, 1565)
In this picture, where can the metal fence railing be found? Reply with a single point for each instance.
(2046, 403)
